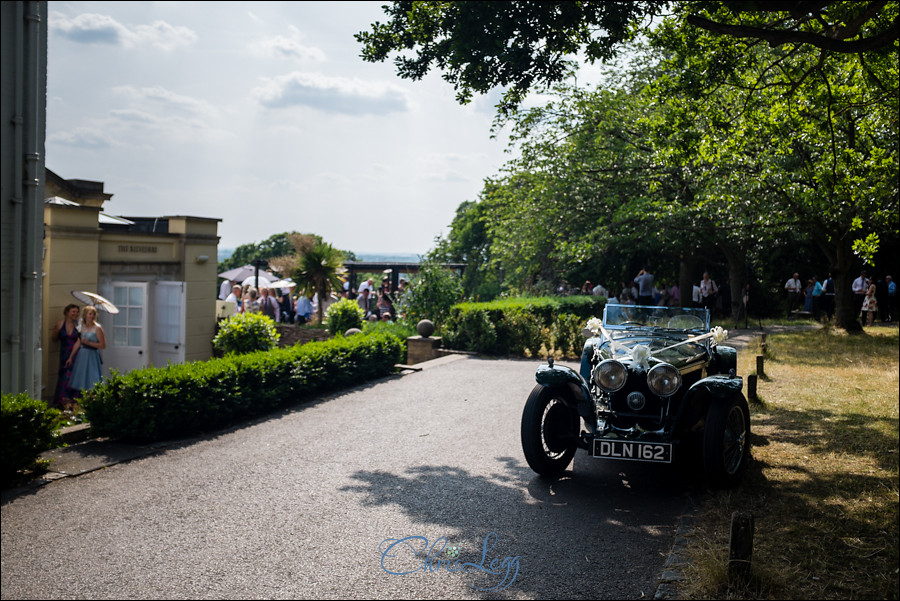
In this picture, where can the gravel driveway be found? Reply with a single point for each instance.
(316, 501)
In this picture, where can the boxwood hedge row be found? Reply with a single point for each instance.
(510, 326)
(185, 399)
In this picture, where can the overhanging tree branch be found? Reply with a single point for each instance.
(779, 38)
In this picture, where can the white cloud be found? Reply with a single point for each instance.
(327, 143)
(85, 138)
(92, 28)
(287, 48)
(159, 96)
(331, 94)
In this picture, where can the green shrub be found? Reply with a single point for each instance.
(28, 429)
(343, 315)
(399, 329)
(515, 324)
(526, 331)
(246, 333)
(566, 334)
(431, 294)
(472, 331)
(185, 399)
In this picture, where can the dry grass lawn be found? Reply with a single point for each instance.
(823, 486)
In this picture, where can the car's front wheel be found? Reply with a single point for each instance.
(549, 431)
(726, 441)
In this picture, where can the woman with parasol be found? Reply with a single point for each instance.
(85, 359)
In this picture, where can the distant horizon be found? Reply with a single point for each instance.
(225, 253)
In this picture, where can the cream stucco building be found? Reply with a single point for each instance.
(160, 272)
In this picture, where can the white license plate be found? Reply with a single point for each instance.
(655, 452)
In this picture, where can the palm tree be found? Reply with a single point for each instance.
(318, 271)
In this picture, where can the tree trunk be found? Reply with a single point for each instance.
(686, 281)
(320, 292)
(845, 313)
(736, 258)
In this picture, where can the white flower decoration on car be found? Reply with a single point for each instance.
(594, 325)
(641, 355)
(718, 334)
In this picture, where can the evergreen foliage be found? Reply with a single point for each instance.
(189, 398)
(27, 429)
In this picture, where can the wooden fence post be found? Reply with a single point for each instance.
(751, 387)
(741, 546)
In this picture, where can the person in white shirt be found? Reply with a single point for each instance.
(225, 289)
(794, 288)
(708, 291)
(599, 290)
(367, 285)
(235, 297)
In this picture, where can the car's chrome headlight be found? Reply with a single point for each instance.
(664, 380)
(610, 375)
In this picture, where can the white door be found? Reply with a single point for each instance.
(167, 323)
(126, 342)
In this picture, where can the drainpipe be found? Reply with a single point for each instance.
(15, 321)
(27, 202)
(35, 119)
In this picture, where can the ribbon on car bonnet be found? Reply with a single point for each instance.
(641, 353)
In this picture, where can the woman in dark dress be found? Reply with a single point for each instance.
(66, 331)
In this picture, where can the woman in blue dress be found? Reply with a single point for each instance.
(87, 362)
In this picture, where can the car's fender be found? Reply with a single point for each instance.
(725, 359)
(714, 387)
(552, 376)
(698, 398)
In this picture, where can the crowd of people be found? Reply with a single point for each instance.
(378, 304)
(646, 290)
(875, 299)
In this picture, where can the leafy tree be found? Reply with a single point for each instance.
(277, 245)
(480, 45)
(528, 44)
(274, 246)
(812, 134)
(469, 242)
(431, 293)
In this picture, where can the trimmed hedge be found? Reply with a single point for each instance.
(185, 399)
(510, 326)
(27, 429)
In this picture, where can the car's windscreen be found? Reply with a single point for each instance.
(663, 318)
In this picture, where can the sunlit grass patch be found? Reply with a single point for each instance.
(823, 487)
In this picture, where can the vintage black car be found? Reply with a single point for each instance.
(654, 384)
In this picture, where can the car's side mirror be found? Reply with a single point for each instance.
(587, 333)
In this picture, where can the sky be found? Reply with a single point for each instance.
(262, 115)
